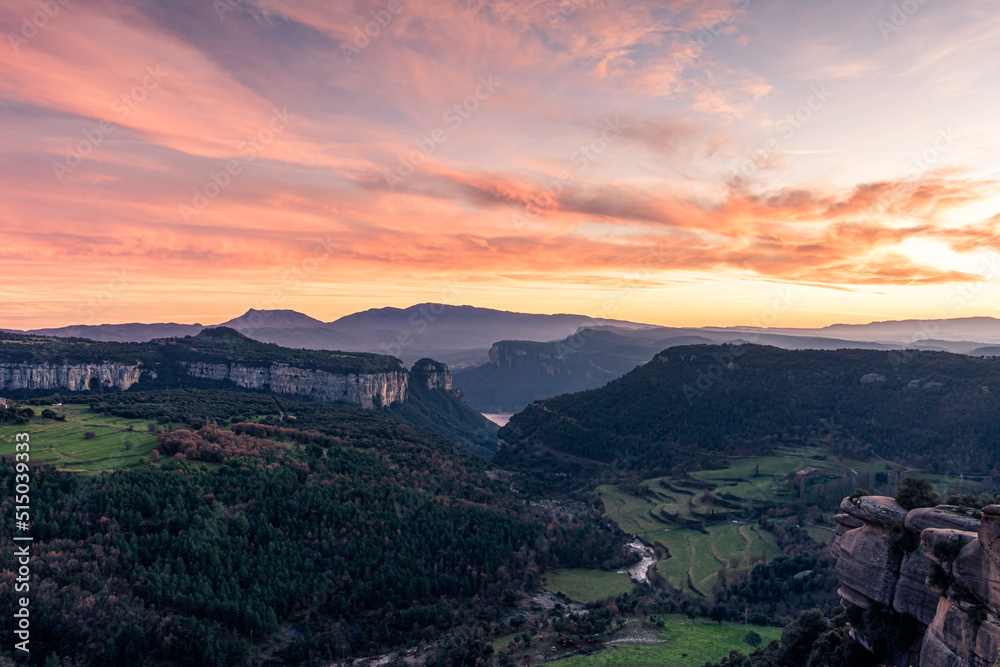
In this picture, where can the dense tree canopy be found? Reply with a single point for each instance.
(691, 403)
(346, 534)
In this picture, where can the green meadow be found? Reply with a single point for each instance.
(587, 585)
(63, 443)
(685, 643)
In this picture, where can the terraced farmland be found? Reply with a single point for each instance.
(704, 531)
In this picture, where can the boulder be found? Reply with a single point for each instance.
(949, 637)
(846, 522)
(987, 645)
(934, 653)
(879, 510)
(868, 564)
(939, 517)
(851, 596)
(989, 531)
(952, 541)
(978, 573)
(912, 595)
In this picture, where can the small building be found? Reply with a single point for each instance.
(807, 473)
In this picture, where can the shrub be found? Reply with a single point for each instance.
(89, 435)
(917, 492)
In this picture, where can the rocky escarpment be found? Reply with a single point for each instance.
(217, 355)
(369, 390)
(431, 374)
(938, 566)
(69, 376)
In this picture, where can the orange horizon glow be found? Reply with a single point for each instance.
(682, 164)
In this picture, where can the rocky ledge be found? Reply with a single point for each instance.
(939, 565)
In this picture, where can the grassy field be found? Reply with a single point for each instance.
(587, 585)
(62, 442)
(688, 644)
(706, 533)
(703, 532)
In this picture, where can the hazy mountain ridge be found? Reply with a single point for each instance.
(555, 354)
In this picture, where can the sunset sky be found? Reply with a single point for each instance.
(677, 162)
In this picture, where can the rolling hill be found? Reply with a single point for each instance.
(693, 406)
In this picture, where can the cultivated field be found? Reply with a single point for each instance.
(63, 443)
(705, 520)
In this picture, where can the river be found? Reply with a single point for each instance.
(640, 571)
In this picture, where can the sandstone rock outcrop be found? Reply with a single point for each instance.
(939, 565)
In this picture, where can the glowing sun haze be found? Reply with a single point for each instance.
(677, 162)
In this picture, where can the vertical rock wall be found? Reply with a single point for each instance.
(939, 565)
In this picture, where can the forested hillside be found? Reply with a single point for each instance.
(692, 403)
(216, 345)
(335, 533)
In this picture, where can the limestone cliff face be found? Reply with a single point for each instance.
(950, 583)
(73, 377)
(369, 390)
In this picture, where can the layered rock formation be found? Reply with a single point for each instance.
(73, 377)
(939, 565)
(220, 354)
(369, 390)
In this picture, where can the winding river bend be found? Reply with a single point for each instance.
(640, 571)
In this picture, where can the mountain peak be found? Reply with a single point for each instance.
(272, 319)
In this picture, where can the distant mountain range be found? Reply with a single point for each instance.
(520, 372)
(503, 361)
(456, 335)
